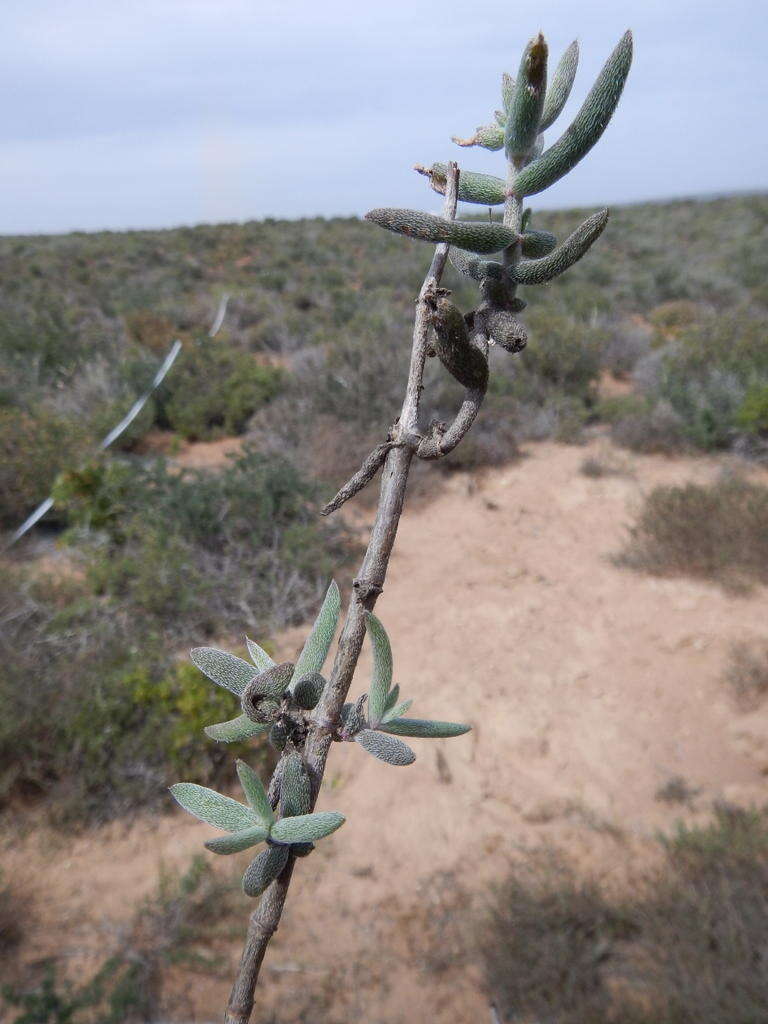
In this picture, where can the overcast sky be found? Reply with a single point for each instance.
(153, 113)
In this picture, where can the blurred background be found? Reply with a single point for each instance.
(597, 848)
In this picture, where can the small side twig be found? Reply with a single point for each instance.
(370, 467)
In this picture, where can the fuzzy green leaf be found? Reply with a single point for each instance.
(468, 263)
(524, 113)
(385, 748)
(307, 691)
(507, 95)
(238, 840)
(396, 711)
(223, 668)
(235, 730)
(538, 243)
(306, 828)
(565, 255)
(318, 642)
(260, 658)
(381, 677)
(424, 729)
(560, 87)
(485, 189)
(255, 793)
(476, 236)
(392, 696)
(295, 787)
(488, 136)
(264, 869)
(585, 129)
(213, 808)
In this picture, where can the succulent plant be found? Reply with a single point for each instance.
(530, 105)
(271, 694)
(292, 703)
(254, 823)
(377, 733)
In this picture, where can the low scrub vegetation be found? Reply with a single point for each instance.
(717, 532)
(174, 929)
(746, 674)
(680, 945)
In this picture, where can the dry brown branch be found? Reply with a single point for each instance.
(366, 588)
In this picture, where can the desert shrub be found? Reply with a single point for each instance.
(712, 375)
(627, 342)
(717, 531)
(171, 928)
(13, 915)
(649, 427)
(752, 414)
(684, 946)
(122, 718)
(746, 674)
(547, 935)
(33, 448)
(214, 390)
(186, 550)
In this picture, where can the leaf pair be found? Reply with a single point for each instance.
(235, 674)
(385, 710)
(255, 822)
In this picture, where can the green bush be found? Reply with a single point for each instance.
(717, 531)
(34, 447)
(214, 390)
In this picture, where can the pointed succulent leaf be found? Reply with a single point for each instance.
(259, 656)
(272, 682)
(308, 690)
(385, 748)
(501, 117)
(255, 793)
(235, 730)
(351, 719)
(565, 255)
(474, 187)
(295, 786)
(392, 696)
(424, 729)
(489, 136)
(223, 668)
(507, 94)
(318, 642)
(585, 129)
(560, 87)
(306, 828)
(538, 243)
(381, 677)
(397, 710)
(524, 114)
(264, 869)
(476, 236)
(238, 841)
(468, 263)
(213, 808)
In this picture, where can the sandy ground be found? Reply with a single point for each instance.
(587, 686)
